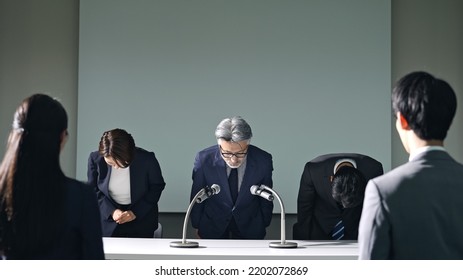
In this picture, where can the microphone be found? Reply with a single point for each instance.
(269, 194)
(207, 192)
(200, 196)
(256, 190)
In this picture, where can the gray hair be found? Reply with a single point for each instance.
(233, 129)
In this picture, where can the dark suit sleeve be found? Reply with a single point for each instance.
(305, 205)
(106, 206)
(199, 182)
(156, 185)
(267, 206)
(92, 242)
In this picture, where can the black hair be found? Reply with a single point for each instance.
(348, 186)
(118, 144)
(428, 104)
(32, 193)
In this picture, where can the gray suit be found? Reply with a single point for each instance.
(415, 211)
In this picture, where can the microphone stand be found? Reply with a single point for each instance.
(184, 243)
(283, 243)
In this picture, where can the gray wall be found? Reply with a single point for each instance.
(428, 35)
(38, 53)
(294, 70)
(39, 47)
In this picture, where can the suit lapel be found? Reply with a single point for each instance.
(245, 194)
(135, 178)
(222, 175)
(105, 169)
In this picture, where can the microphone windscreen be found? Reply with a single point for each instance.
(254, 189)
(215, 188)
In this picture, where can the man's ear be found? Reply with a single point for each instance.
(64, 134)
(64, 138)
(403, 121)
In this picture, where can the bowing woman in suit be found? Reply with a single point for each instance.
(43, 213)
(128, 184)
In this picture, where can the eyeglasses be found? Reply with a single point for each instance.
(230, 155)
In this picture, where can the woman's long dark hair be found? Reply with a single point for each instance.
(32, 194)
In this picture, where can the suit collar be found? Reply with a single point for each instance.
(250, 165)
(432, 155)
(218, 160)
(425, 149)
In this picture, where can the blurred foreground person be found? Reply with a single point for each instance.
(414, 211)
(43, 213)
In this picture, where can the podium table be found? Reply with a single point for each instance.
(159, 248)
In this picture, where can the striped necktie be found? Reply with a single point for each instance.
(338, 231)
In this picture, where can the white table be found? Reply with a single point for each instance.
(159, 248)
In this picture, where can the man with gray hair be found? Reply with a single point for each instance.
(235, 166)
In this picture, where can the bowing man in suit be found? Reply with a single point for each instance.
(414, 211)
(128, 184)
(330, 198)
(235, 166)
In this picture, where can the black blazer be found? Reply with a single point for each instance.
(146, 186)
(317, 211)
(81, 238)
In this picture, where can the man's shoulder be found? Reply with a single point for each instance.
(256, 151)
(391, 180)
(336, 156)
(333, 157)
(209, 150)
(368, 159)
(359, 159)
(327, 160)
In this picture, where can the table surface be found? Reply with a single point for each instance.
(159, 248)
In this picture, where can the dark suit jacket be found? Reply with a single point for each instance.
(146, 186)
(251, 213)
(317, 211)
(81, 238)
(415, 211)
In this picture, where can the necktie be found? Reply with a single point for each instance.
(338, 231)
(233, 183)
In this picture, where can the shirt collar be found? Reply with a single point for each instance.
(339, 161)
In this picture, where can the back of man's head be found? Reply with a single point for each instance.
(428, 104)
(348, 186)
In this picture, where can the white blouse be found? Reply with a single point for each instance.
(119, 185)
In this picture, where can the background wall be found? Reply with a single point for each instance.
(428, 35)
(309, 77)
(39, 49)
(38, 53)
